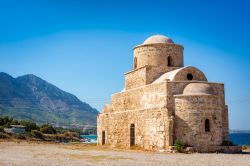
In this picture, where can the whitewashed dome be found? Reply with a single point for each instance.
(158, 39)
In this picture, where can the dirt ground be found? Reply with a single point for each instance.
(51, 154)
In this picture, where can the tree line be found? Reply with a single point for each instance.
(6, 122)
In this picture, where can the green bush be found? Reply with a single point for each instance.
(1, 121)
(179, 145)
(15, 122)
(37, 134)
(7, 120)
(29, 125)
(1, 129)
(6, 125)
(47, 129)
(20, 136)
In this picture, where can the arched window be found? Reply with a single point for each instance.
(170, 61)
(135, 62)
(207, 125)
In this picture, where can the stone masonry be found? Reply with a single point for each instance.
(164, 101)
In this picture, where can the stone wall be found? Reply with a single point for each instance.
(225, 123)
(157, 55)
(153, 128)
(144, 75)
(190, 115)
(145, 97)
(135, 78)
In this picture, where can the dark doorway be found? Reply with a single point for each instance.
(132, 135)
(103, 138)
(207, 125)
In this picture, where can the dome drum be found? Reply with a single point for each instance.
(158, 54)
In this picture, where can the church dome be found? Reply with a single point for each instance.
(158, 39)
(198, 88)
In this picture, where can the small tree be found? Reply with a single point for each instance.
(7, 120)
(1, 121)
(15, 122)
(29, 125)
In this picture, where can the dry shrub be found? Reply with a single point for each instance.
(4, 136)
(37, 134)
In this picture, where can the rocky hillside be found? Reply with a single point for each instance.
(31, 98)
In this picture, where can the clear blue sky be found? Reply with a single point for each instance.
(85, 47)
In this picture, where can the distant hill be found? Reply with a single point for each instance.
(32, 98)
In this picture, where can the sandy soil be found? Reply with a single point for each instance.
(45, 154)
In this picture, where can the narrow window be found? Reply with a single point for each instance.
(132, 135)
(169, 61)
(135, 63)
(103, 138)
(207, 125)
(189, 76)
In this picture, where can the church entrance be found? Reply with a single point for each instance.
(132, 135)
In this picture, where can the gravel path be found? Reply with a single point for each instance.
(43, 154)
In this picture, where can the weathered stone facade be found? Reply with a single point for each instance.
(164, 101)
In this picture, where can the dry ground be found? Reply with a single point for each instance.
(45, 154)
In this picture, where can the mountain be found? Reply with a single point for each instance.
(32, 98)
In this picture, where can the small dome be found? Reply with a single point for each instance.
(158, 39)
(198, 88)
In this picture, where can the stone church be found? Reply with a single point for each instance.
(164, 101)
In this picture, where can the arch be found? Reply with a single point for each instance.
(169, 61)
(207, 125)
(135, 62)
